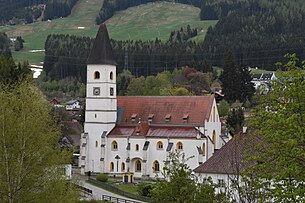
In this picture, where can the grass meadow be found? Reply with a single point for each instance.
(144, 22)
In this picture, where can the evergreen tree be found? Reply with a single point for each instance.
(246, 86)
(18, 44)
(229, 79)
(10, 73)
(5, 45)
(235, 119)
(236, 81)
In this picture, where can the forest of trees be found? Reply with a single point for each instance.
(58, 8)
(67, 55)
(258, 32)
(21, 9)
(183, 34)
(30, 10)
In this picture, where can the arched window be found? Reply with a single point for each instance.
(96, 143)
(96, 75)
(111, 166)
(137, 147)
(114, 145)
(123, 166)
(203, 149)
(111, 75)
(214, 139)
(138, 166)
(156, 166)
(179, 146)
(159, 145)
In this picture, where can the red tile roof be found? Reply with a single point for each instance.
(172, 132)
(198, 108)
(122, 130)
(229, 159)
(143, 129)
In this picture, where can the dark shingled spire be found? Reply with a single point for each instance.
(101, 52)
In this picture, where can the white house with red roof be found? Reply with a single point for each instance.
(136, 133)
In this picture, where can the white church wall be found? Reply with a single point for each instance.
(93, 147)
(151, 155)
(214, 124)
(104, 73)
(104, 90)
(101, 115)
(112, 153)
(97, 104)
(98, 116)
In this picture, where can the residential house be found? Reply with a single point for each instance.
(73, 105)
(263, 79)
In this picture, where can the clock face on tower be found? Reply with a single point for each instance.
(96, 91)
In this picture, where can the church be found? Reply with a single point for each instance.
(135, 134)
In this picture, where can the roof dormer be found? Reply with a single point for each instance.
(168, 117)
(185, 118)
(133, 117)
(150, 117)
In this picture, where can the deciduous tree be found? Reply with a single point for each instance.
(29, 152)
(178, 185)
(278, 124)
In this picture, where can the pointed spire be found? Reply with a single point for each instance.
(101, 52)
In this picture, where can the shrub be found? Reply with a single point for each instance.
(223, 108)
(102, 177)
(144, 189)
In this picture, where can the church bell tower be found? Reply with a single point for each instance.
(101, 103)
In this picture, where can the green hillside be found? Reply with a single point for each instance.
(145, 22)
(83, 15)
(152, 20)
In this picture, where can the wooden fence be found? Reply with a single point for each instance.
(117, 200)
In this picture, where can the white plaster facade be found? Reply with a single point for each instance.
(151, 156)
(101, 112)
(97, 153)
